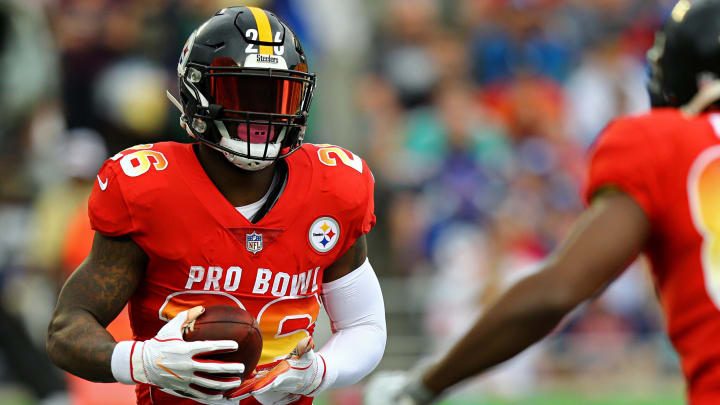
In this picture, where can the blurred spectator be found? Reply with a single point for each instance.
(403, 49)
(130, 103)
(608, 83)
(514, 38)
(526, 106)
(28, 64)
(82, 155)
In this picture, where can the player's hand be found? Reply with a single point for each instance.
(171, 363)
(301, 373)
(396, 388)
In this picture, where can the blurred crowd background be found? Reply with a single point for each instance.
(475, 116)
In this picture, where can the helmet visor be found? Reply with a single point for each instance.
(258, 93)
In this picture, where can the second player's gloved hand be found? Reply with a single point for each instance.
(171, 363)
(300, 374)
(396, 388)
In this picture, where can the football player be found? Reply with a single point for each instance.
(653, 187)
(248, 216)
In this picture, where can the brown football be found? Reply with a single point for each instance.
(229, 323)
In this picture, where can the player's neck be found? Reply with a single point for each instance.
(240, 187)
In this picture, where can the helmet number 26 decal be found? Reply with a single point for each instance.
(252, 33)
(141, 160)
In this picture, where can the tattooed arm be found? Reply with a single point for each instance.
(91, 298)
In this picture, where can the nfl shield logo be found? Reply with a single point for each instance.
(253, 242)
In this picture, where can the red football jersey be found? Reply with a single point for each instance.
(669, 164)
(202, 251)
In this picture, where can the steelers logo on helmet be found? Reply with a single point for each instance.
(244, 86)
(324, 234)
(185, 54)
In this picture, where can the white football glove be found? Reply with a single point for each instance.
(396, 388)
(301, 373)
(171, 363)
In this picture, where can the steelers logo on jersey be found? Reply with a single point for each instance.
(324, 234)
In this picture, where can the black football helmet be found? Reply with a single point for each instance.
(686, 53)
(244, 86)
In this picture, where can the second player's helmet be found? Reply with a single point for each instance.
(244, 86)
(686, 53)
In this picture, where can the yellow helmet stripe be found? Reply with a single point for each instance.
(264, 31)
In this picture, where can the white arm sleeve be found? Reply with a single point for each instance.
(355, 306)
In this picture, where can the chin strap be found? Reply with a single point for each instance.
(176, 103)
(277, 187)
(708, 94)
(173, 100)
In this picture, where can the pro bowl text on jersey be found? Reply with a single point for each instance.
(283, 321)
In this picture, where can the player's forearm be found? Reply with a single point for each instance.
(353, 353)
(91, 298)
(523, 315)
(355, 306)
(606, 237)
(77, 343)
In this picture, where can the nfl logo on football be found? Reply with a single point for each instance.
(253, 242)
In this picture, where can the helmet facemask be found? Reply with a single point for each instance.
(258, 114)
(250, 106)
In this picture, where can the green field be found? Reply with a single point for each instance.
(659, 394)
(17, 397)
(558, 399)
(576, 399)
